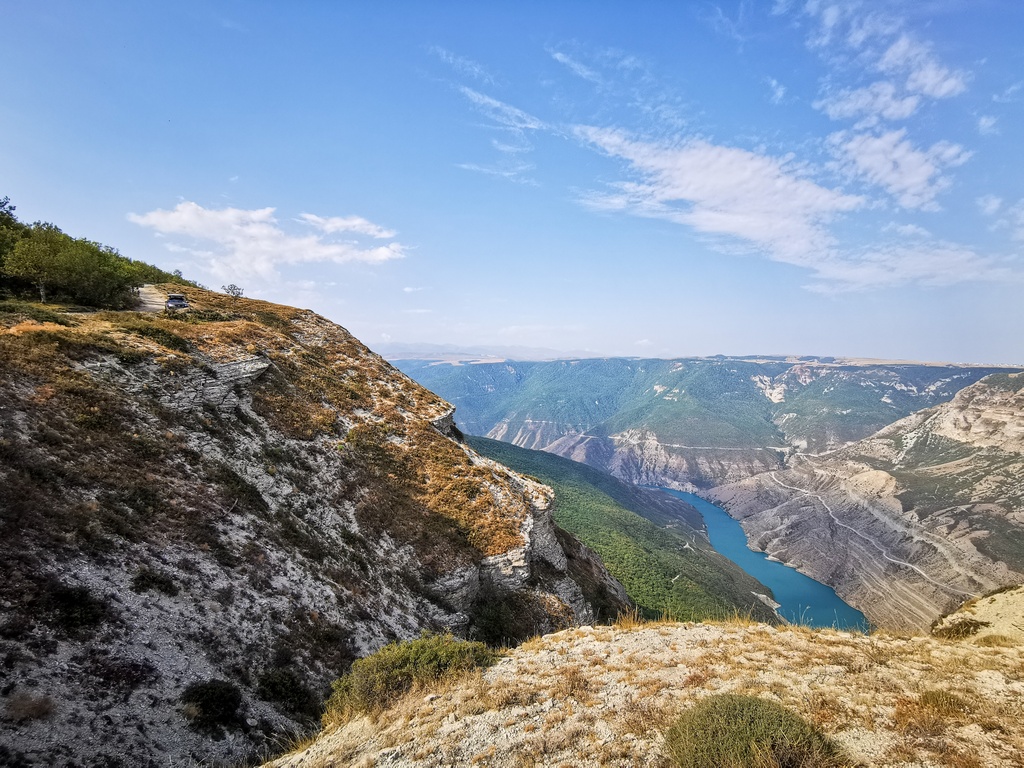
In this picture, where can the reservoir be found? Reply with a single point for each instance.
(803, 600)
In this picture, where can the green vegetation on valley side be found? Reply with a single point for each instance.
(671, 571)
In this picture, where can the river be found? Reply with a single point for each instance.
(803, 600)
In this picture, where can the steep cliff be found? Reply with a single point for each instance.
(909, 522)
(205, 517)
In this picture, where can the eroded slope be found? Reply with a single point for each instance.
(206, 516)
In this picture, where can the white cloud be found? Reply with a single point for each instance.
(758, 200)
(989, 204)
(410, 289)
(576, 67)
(237, 242)
(925, 74)
(878, 100)
(987, 125)
(889, 160)
(355, 224)
(778, 90)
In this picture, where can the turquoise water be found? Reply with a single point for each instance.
(804, 600)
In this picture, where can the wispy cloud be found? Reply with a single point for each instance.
(778, 90)
(464, 66)
(989, 204)
(924, 72)
(234, 242)
(736, 27)
(577, 68)
(987, 125)
(516, 126)
(854, 40)
(510, 171)
(772, 207)
(1008, 95)
(913, 176)
(504, 115)
(931, 263)
(355, 224)
(762, 201)
(878, 100)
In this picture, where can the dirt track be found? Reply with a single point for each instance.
(150, 299)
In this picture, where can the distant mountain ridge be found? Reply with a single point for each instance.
(688, 422)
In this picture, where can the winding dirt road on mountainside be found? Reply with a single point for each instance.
(868, 539)
(150, 299)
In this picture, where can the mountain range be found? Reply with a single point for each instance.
(898, 484)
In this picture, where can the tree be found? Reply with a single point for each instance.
(11, 230)
(232, 290)
(38, 258)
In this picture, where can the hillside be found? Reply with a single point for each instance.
(655, 545)
(205, 516)
(597, 696)
(911, 520)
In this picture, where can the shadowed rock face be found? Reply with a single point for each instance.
(911, 521)
(206, 517)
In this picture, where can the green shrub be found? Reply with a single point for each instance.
(285, 687)
(735, 731)
(212, 704)
(378, 680)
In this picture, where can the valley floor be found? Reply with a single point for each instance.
(595, 696)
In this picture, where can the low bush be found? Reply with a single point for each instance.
(285, 687)
(212, 704)
(959, 629)
(378, 680)
(22, 706)
(147, 578)
(736, 731)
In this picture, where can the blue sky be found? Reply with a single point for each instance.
(655, 179)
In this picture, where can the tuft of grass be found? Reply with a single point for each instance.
(746, 731)
(996, 641)
(377, 681)
(633, 619)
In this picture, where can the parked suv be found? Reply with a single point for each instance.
(175, 301)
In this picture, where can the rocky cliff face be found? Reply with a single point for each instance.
(911, 521)
(206, 517)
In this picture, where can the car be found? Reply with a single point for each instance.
(175, 301)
